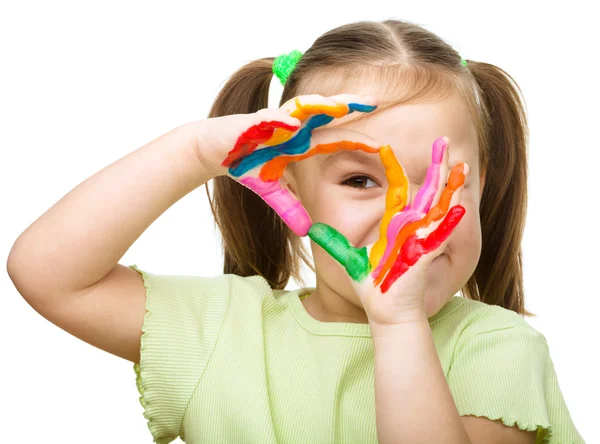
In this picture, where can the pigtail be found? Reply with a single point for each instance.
(255, 239)
(498, 278)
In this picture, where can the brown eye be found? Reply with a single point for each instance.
(360, 182)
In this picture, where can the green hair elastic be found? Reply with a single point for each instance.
(285, 64)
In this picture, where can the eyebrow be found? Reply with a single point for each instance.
(352, 156)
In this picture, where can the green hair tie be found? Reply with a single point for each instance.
(463, 61)
(285, 64)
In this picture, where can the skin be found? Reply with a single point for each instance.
(332, 193)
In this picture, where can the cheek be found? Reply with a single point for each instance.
(355, 219)
(466, 238)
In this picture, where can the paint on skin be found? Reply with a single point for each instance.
(398, 247)
(297, 145)
(279, 139)
(273, 169)
(395, 200)
(456, 179)
(283, 202)
(396, 224)
(414, 248)
(421, 204)
(408, 248)
(287, 206)
(425, 195)
(354, 260)
(251, 138)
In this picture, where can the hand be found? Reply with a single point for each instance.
(260, 146)
(411, 237)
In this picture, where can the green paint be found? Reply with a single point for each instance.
(354, 260)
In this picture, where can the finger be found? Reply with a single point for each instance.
(455, 181)
(410, 222)
(414, 248)
(266, 122)
(315, 110)
(395, 201)
(323, 142)
(429, 190)
(305, 106)
(398, 222)
(354, 260)
(284, 202)
(442, 177)
(435, 178)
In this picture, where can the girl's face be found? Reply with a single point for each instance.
(347, 191)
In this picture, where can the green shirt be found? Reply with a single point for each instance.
(227, 359)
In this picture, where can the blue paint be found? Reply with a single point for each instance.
(360, 107)
(298, 144)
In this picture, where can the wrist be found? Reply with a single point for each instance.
(204, 150)
(405, 325)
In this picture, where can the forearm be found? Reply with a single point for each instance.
(83, 236)
(413, 401)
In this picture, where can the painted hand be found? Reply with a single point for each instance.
(263, 151)
(411, 236)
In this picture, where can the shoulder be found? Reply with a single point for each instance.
(470, 318)
(499, 367)
(197, 288)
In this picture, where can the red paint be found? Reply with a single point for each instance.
(455, 181)
(251, 138)
(413, 248)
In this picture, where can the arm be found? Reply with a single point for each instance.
(65, 264)
(413, 402)
(85, 234)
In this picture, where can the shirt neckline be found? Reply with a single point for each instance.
(321, 328)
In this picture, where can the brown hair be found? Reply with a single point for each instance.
(409, 63)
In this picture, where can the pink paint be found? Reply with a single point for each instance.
(394, 227)
(422, 202)
(425, 195)
(414, 248)
(282, 201)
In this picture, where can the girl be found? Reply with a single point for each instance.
(419, 194)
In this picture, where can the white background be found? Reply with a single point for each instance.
(83, 84)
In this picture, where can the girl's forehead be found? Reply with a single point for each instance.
(411, 129)
(415, 124)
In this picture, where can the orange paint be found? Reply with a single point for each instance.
(274, 168)
(456, 180)
(302, 112)
(395, 200)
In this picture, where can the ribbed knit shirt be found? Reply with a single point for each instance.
(227, 359)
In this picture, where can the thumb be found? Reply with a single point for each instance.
(354, 260)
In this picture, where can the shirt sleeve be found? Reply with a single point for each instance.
(183, 318)
(508, 375)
